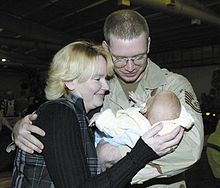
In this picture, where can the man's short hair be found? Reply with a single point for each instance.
(125, 24)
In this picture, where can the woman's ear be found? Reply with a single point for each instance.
(70, 84)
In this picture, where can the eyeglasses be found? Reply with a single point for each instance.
(120, 62)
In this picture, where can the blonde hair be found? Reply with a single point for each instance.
(125, 24)
(75, 61)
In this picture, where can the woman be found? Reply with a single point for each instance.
(77, 84)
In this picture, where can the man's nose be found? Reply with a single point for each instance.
(130, 65)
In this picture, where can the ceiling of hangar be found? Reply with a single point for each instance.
(32, 31)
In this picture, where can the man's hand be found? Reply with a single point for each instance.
(163, 144)
(108, 154)
(23, 137)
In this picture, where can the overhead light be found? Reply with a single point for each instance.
(124, 2)
(4, 60)
(207, 113)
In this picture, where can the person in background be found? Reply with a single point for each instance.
(77, 84)
(21, 104)
(4, 122)
(10, 104)
(127, 39)
(213, 153)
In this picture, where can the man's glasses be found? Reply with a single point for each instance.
(120, 62)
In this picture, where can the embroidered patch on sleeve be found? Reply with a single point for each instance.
(193, 103)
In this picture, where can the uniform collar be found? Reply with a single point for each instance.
(153, 76)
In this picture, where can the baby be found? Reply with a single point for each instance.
(126, 126)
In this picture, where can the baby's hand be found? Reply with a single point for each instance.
(135, 98)
(93, 119)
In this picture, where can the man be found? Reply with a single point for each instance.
(127, 39)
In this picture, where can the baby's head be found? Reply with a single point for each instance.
(163, 106)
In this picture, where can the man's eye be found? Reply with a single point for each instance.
(139, 57)
(122, 59)
(97, 79)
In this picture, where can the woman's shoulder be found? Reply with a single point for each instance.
(55, 113)
(56, 106)
(58, 102)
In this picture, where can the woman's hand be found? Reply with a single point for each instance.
(163, 144)
(23, 137)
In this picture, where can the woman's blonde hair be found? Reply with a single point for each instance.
(75, 61)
